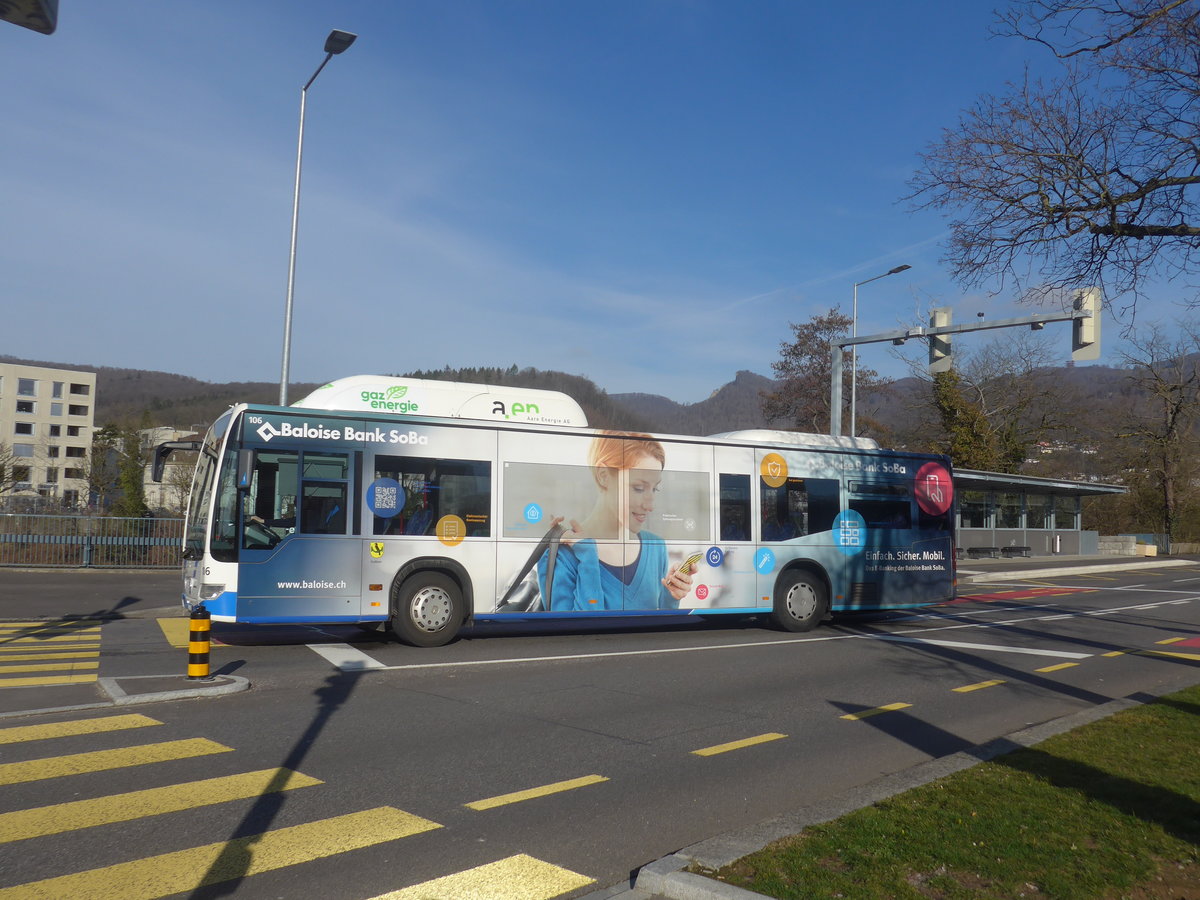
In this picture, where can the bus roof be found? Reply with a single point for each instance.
(815, 441)
(449, 399)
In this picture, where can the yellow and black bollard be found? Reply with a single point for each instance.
(198, 644)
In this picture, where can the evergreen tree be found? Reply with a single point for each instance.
(131, 468)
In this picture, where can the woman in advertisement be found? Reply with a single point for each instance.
(608, 560)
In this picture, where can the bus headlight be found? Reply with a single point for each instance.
(211, 591)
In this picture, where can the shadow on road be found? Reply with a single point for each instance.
(234, 862)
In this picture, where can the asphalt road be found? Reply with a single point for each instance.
(585, 752)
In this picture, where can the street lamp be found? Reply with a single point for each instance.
(854, 349)
(337, 42)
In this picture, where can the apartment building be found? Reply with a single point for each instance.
(47, 418)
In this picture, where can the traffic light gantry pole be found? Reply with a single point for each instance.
(1085, 341)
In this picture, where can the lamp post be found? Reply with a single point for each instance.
(854, 349)
(337, 42)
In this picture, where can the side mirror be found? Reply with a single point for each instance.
(162, 451)
(245, 469)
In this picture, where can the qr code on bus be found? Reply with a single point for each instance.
(385, 497)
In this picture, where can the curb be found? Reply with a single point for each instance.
(976, 576)
(214, 685)
(118, 696)
(667, 877)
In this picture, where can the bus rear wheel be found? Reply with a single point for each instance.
(427, 610)
(800, 601)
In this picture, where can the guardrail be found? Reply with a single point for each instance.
(89, 541)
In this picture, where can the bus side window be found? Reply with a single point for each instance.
(882, 505)
(432, 490)
(798, 507)
(735, 507)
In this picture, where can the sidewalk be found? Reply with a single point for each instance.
(973, 571)
(667, 878)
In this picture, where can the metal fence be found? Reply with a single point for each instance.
(89, 541)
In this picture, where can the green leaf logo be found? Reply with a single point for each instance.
(395, 393)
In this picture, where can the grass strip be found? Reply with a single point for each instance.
(1109, 810)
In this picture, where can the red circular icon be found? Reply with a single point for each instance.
(702, 592)
(934, 489)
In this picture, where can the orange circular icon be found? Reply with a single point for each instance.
(773, 469)
(451, 530)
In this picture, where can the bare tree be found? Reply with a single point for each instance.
(8, 469)
(178, 481)
(1161, 430)
(1092, 178)
(994, 406)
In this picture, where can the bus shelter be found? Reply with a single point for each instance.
(1022, 515)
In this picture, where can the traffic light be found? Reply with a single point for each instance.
(1085, 332)
(38, 15)
(939, 344)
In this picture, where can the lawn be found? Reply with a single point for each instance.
(1110, 810)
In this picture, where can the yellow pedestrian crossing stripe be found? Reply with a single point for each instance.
(39, 680)
(7, 650)
(74, 666)
(78, 814)
(519, 877)
(64, 651)
(103, 760)
(22, 733)
(22, 654)
(50, 625)
(183, 870)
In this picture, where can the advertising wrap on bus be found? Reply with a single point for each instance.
(424, 523)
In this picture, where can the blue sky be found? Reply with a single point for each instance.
(643, 192)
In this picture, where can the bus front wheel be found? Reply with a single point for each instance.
(800, 601)
(427, 610)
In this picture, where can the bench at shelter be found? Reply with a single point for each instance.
(981, 552)
(1010, 552)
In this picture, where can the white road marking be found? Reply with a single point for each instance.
(347, 658)
(960, 645)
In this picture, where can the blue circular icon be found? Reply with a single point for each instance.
(850, 532)
(385, 497)
(764, 561)
(715, 556)
(533, 513)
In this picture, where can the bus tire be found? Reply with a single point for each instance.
(801, 601)
(427, 610)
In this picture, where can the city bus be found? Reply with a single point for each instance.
(426, 506)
